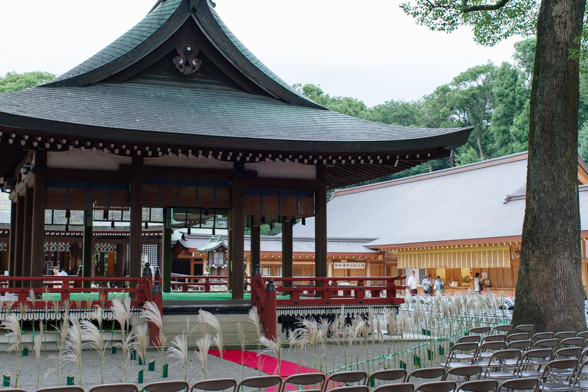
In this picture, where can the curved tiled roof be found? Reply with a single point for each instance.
(182, 113)
(126, 43)
(142, 39)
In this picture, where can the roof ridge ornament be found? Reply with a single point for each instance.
(186, 61)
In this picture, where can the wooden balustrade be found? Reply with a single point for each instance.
(139, 289)
(266, 294)
(200, 283)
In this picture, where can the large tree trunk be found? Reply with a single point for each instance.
(549, 290)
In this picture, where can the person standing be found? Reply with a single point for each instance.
(427, 285)
(478, 284)
(438, 285)
(412, 284)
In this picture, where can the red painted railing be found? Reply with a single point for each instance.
(140, 290)
(310, 291)
(200, 283)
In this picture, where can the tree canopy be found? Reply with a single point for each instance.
(16, 82)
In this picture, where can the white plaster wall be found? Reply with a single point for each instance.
(200, 162)
(87, 159)
(286, 169)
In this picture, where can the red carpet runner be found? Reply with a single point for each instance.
(262, 362)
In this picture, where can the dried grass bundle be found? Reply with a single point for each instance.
(12, 325)
(120, 314)
(254, 319)
(37, 344)
(275, 347)
(212, 320)
(32, 297)
(91, 334)
(98, 315)
(152, 313)
(126, 345)
(242, 344)
(73, 346)
(141, 341)
(179, 351)
(203, 345)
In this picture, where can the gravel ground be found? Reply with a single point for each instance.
(47, 375)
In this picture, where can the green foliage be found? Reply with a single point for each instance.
(489, 26)
(583, 142)
(399, 113)
(525, 55)
(16, 82)
(492, 99)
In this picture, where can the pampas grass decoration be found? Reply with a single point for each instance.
(152, 314)
(203, 345)
(126, 344)
(60, 346)
(213, 321)
(32, 297)
(9, 304)
(323, 335)
(296, 340)
(91, 334)
(179, 351)
(275, 347)
(12, 325)
(73, 345)
(119, 312)
(242, 344)
(98, 315)
(37, 344)
(311, 327)
(254, 319)
(141, 341)
(88, 303)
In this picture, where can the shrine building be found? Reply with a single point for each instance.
(176, 124)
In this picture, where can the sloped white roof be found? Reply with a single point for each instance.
(466, 202)
(300, 245)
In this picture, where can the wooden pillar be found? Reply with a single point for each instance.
(12, 238)
(237, 244)
(87, 248)
(320, 225)
(27, 250)
(18, 241)
(255, 249)
(166, 239)
(287, 250)
(38, 229)
(136, 245)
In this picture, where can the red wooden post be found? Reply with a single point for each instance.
(269, 317)
(360, 292)
(158, 300)
(326, 295)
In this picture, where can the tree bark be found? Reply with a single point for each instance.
(549, 291)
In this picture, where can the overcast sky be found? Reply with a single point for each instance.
(364, 49)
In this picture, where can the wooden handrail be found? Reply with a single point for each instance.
(325, 292)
